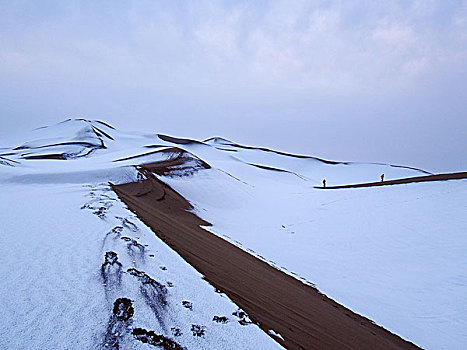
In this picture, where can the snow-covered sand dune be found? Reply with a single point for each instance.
(278, 302)
(393, 254)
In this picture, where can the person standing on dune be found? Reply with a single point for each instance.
(324, 182)
(382, 177)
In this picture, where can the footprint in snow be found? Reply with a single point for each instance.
(119, 324)
(188, 305)
(220, 319)
(134, 248)
(128, 224)
(101, 212)
(154, 293)
(198, 331)
(152, 338)
(243, 317)
(115, 232)
(176, 332)
(111, 271)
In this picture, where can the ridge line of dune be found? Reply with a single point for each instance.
(425, 178)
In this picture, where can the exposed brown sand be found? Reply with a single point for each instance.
(438, 177)
(177, 140)
(305, 318)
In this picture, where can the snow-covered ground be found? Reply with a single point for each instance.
(54, 239)
(395, 254)
(58, 223)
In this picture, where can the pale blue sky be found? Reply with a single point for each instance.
(382, 81)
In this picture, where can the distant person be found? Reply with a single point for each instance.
(382, 177)
(324, 182)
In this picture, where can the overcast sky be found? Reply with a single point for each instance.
(379, 81)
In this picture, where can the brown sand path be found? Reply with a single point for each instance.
(425, 178)
(305, 318)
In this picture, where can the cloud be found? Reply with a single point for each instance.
(352, 63)
(327, 46)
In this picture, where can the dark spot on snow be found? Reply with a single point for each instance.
(198, 331)
(244, 322)
(176, 332)
(163, 268)
(159, 340)
(111, 257)
(123, 309)
(242, 316)
(220, 319)
(169, 284)
(100, 212)
(187, 304)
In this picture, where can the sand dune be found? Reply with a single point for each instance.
(299, 313)
(392, 254)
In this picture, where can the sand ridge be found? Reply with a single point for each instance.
(425, 178)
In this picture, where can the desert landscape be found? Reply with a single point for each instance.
(127, 240)
(230, 175)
